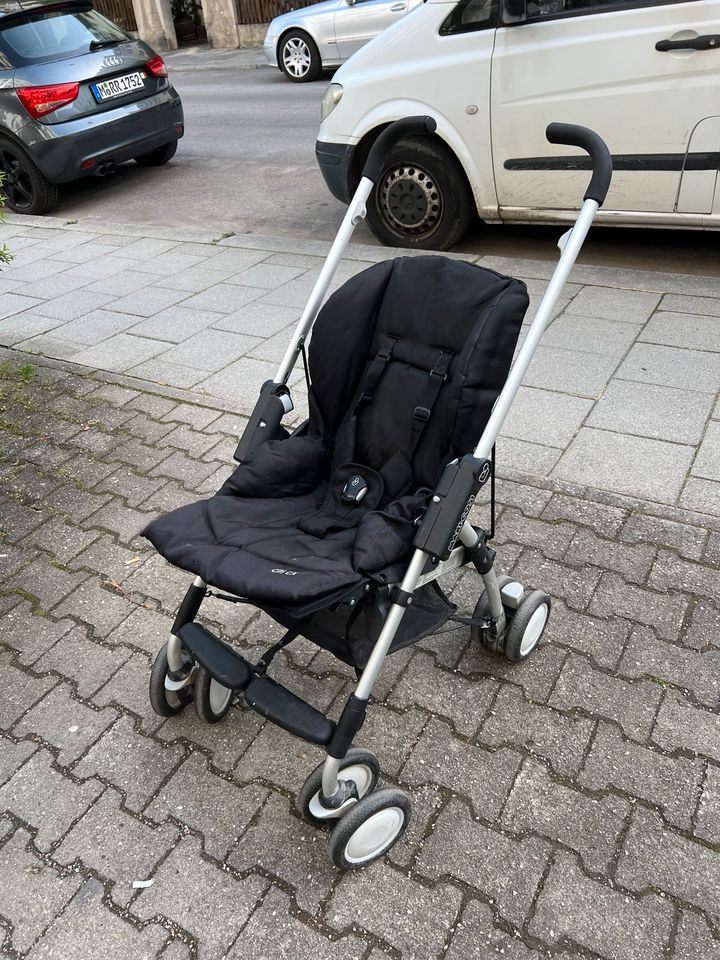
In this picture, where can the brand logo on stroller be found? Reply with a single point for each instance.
(461, 521)
(287, 573)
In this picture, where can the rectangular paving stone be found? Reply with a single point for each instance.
(87, 928)
(464, 702)
(94, 326)
(672, 367)
(174, 325)
(543, 732)
(610, 338)
(646, 656)
(539, 804)
(662, 611)
(133, 763)
(708, 306)
(652, 410)
(258, 319)
(273, 931)
(47, 800)
(691, 331)
(23, 326)
(552, 417)
(16, 303)
(637, 466)
(411, 917)
(702, 495)
(707, 826)
(148, 249)
(207, 902)
(505, 870)
(571, 906)
(707, 462)
(116, 845)
(222, 298)
(484, 777)
(670, 783)
(682, 726)
(632, 705)
(573, 371)
(528, 458)
(216, 808)
(64, 722)
(654, 856)
(120, 352)
(69, 306)
(31, 892)
(628, 306)
(211, 350)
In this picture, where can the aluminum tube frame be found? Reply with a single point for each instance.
(174, 646)
(354, 213)
(469, 539)
(569, 254)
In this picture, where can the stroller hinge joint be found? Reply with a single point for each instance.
(482, 555)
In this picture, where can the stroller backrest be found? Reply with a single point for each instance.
(414, 352)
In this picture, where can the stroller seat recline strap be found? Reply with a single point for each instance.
(423, 411)
(377, 368)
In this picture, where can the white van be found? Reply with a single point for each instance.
(645, 74)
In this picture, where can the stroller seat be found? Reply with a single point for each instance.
(406, 361)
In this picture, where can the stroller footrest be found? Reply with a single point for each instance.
(221, 662)
(281, 706)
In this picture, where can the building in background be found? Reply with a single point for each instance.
(225, 23)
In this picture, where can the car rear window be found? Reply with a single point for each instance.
(55, 35)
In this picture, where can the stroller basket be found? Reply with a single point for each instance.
(341, 529)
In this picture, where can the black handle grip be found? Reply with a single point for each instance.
(711, 41)
(600, 159)
(407, 127)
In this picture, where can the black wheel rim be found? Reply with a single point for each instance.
(17, 183)
(411, 201)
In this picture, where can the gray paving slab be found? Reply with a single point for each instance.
(692, 331)
(546, 417)
(570, 371)
(149, 301)
(636, 466)
(13, 303)
(710, 306)
(23, 326)
(651, 410)
(707, 463)
(672, 367)
(120, 352)
(626, 306)
(610, 338)
(211, 350)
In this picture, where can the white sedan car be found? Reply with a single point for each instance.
(304, 42)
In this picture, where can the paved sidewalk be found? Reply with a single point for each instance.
(565, 808)
(202, 57)
(622, 395)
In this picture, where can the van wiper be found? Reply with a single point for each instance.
(99, 44)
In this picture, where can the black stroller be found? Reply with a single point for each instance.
(340, 530)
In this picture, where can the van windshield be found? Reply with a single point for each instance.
(56, 35)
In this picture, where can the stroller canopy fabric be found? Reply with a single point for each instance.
(406, 361)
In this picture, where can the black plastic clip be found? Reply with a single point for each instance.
(401, 597)
(421, 413)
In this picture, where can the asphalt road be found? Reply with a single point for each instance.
(247, 164)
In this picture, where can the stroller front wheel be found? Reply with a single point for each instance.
(359, 766)
(368, 831)
(212, 699)
(527, 626)
(166, 698)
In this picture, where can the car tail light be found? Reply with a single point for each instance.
(156, 67)
(39, 101)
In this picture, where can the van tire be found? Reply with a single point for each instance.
(422, 199)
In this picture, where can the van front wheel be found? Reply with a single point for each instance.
(422, 198)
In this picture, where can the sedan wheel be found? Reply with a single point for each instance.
(299, 57)
(26, 189)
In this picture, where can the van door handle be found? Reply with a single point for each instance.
(397, 7)
(711, 41)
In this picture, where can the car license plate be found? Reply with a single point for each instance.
(107, 89)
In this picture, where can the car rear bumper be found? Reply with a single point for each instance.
(63, 151)
(334, 160)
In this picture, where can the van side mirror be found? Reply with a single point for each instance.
(351, 3)
(516, 9)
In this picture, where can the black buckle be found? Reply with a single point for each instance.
(421, 413)
(384, 353)
(442, 373)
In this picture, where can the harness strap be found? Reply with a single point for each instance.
(374, 373)
(294, 631)
(423, 411)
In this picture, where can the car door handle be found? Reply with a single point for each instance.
(711, 41)
(397, 7)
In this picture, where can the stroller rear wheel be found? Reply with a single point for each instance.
(369, 829)
(359, 766)
(212, 699)
(165, 698)
(527, 626)
(482, 612)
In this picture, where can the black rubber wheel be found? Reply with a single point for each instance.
(26, 190)
(359, 765)
(527, 626)
(422, 198)
(369, 829)
(482, 612)
(299, 57)
(212, 699)
(165, 703)
(156, 158)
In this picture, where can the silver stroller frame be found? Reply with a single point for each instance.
(446, 540)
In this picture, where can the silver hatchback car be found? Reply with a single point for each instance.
(304, 42)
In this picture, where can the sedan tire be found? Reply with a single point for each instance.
(422, 198)
(25, 188)
(299, 57)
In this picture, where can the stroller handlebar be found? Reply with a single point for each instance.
(407, 127)
(600, 158)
